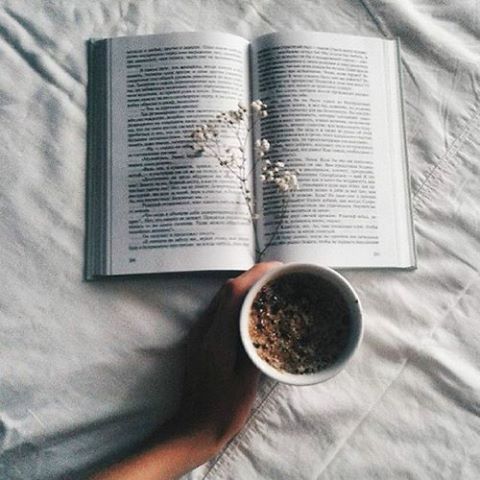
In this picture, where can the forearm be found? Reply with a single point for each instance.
(170, 459)
(220, 388)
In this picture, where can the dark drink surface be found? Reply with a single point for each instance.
(299, 323)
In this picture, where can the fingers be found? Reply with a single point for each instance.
(244, 367)
(245, 281)
(224, 332)
(234, 291)
(246, 385)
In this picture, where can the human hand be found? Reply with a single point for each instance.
(220, 388)
(221, 381)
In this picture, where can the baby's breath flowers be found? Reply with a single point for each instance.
(215, 139)
(274, 172)
(259, 108)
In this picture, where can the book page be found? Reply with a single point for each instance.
(335, 115)
(170, 210)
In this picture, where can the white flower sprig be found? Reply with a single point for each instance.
(237, 125)
(274, 172)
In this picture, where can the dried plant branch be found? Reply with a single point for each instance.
(207, 139)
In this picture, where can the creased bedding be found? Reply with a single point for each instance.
(88, 369)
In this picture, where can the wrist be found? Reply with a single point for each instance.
(172, 454)
(203, 439)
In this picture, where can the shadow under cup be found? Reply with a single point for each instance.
(355, 328)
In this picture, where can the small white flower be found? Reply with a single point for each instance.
(265, 145)
(256, 106)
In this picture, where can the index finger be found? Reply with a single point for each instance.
(245, 281)
(224, 327)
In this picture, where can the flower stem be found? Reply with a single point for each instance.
(260, 253)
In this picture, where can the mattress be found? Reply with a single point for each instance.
(88, 369)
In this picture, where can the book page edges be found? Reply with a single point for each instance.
(412, 264)
(92, 241)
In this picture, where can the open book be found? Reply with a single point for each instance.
(335, 114)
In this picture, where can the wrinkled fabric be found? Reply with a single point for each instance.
(87, 370)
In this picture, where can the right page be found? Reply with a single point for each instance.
(335, 115)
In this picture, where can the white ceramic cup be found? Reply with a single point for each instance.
(356, 323)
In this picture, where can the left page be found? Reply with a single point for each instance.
(169, 210)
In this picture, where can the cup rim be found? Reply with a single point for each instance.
(356, 312)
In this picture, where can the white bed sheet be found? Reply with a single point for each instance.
(87, 369)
